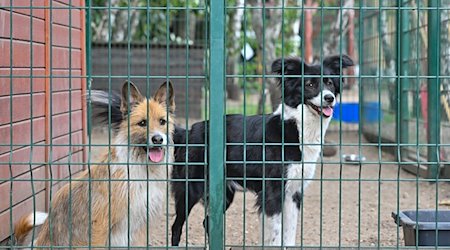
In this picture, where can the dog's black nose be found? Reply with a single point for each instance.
(329, 98)
(157, 139)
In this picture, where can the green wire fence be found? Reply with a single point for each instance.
(393, 113)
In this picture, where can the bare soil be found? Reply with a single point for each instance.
(346, 205)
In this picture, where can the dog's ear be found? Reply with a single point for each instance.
(288, 66)
(130, 96)
(336, 61)
(165, 95)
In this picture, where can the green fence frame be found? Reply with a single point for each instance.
(434, 34)
(217, 123)
(409, 70)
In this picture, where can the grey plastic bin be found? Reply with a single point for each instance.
(424, 223)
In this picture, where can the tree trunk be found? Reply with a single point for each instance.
(388, 55)
(123, 29)
(339, 29)
(445, 59)
(134, 23)
(388, 52)
(119, 24)
(267, 37)
(233, 58)
(351, 48)
(101, 31)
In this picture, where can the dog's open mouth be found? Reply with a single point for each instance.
(155, 154)
(326, 111)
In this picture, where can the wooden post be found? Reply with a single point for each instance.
(308, 57)
(351, 46)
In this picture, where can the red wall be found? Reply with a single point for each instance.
(44, 62)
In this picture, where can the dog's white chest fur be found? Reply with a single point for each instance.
(146, 202)
(147, 195)
(311, 129)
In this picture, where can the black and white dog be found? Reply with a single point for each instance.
(308, 106)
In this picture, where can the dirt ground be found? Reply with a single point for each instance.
(353, 212)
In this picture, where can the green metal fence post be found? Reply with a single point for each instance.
(88, 5)
(216, 126)
(88, 57)
(403, 35)
(433, 88)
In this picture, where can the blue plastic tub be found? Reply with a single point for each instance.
(346, 112)
(372, 112)
(349, 112)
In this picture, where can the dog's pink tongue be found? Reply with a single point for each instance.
(328, 111)
(155, 154)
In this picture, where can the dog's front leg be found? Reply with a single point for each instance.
(271, 225)
(290, 218)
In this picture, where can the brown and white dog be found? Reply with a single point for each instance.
(112, 203)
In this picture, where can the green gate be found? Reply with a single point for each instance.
(415, 99)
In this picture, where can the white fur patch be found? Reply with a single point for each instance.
(311, 128)
(290, 220)
(272, 229)
(148, 197)
(319, 100)
(37, 218)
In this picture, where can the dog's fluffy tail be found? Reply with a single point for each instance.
(105, 108)
(23, 227)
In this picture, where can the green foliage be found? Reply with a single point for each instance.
(155, 24)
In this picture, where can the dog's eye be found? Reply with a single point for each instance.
(329, 82)
(309, 84)
(162, 122)
(142, 123)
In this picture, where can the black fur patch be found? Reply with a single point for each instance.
(297, 198)
(105, 108)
